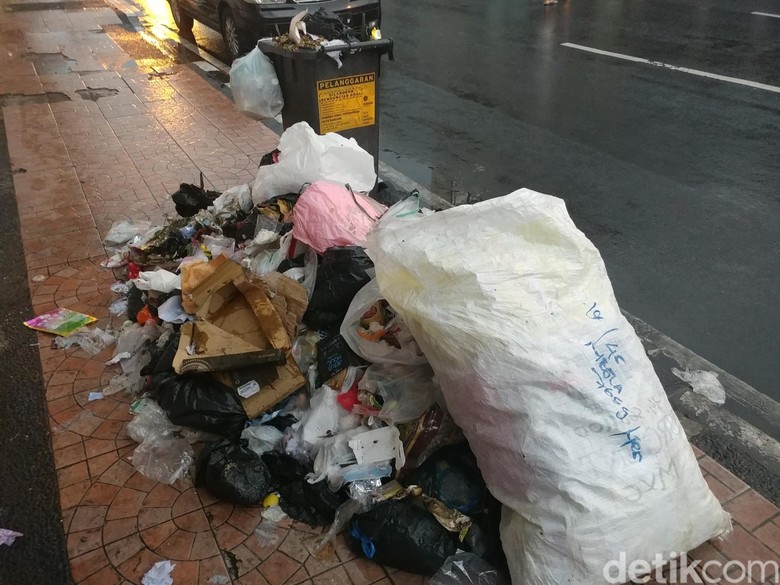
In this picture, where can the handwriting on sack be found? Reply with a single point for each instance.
(607, 359)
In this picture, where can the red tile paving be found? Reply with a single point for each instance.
(81, 165)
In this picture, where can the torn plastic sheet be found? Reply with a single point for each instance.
(163, 459)
(125, 230)
(118, 307)
(159, 574)
(92, 341)
(704, 383)
(171, 311)
(7, 537)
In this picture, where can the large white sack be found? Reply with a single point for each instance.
(306, 157)
(571, 427)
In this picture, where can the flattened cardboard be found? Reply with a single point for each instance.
(289, 298)
(217, 350)
(237, 316)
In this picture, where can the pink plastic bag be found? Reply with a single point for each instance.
(327, 215)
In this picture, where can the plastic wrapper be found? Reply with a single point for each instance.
(375, 333)
(534, 357)
(328, 215)
(262, 438)
(118, 307)
(399, 534)
(164, 459)
(407, 391)
(306, 157)
(149, 421)
(233, 473)
(467, 569)
(123, 231)
(255, 87)
(92, 341)
(219, 245)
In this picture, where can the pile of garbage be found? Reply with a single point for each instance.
(257, 336)
(457, 391)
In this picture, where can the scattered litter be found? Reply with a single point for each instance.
(163, 459)
(158, 280)
(39, 278)
(273, 514)
(95, 396)
(171, 311)
(159, 574)
(118, 307)
(60, 321)
(7, 537)
(234, 473)
(92, 341)
(704, 383)
(219, 580)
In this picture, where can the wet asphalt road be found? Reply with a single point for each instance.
(675, 177)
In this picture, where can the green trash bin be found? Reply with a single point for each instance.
(329, 98)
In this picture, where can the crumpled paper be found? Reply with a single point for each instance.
(159, 574)
(8, 537)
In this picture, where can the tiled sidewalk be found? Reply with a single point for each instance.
(79, 166)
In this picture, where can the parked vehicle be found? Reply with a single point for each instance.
(243, 22)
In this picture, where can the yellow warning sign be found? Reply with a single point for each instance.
(347, 102)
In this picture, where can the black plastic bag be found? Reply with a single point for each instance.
(484, 538)
(340, 275)
(388, 195)
(232, 472)
(312, 504)
(199, 401)
(326, 23)
(190, 199)
(451, 476)
(400, 534)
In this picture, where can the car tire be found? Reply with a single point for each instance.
(182, 20)
(234, 40)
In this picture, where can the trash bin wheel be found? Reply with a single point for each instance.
(182, 20)
(234, 40)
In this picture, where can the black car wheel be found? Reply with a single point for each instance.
(183, 20)
(236, 44)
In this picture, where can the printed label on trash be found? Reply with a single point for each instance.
(249, 389)
(347, 102)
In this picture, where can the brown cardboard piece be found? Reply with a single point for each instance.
(237, 316)
(217, 350)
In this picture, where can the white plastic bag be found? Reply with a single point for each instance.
(160, 280)
(379, 351)
(306, 157)
(262, 438)
(124, 230)
(571, 428)
(255, 86)
(327, 215)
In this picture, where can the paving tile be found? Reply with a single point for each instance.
(325, 561)
(278, 568)
(71, 495)
(177, 546)
(114, 530)
(255, 577)
(364, 572)
(212, 569)
(750, 509)
(744, 547)
(121, 550)
(148, 517)
(126, 504)
(161, 495)
(204, 546)
(300, 576)
(87, 517)
(84, 541)
(404, 578)
(229, 537)
(88, 564)
(294, 545)
(723, 475)
(105, 576)
(193, 522)
(186, 572)
(72, 474)
(335, 576)
(244, 521)
(134, 568)
(100, 494)
(769, 534)
(155, 535)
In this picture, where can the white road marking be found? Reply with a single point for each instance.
(735, 80)
(766, 14)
